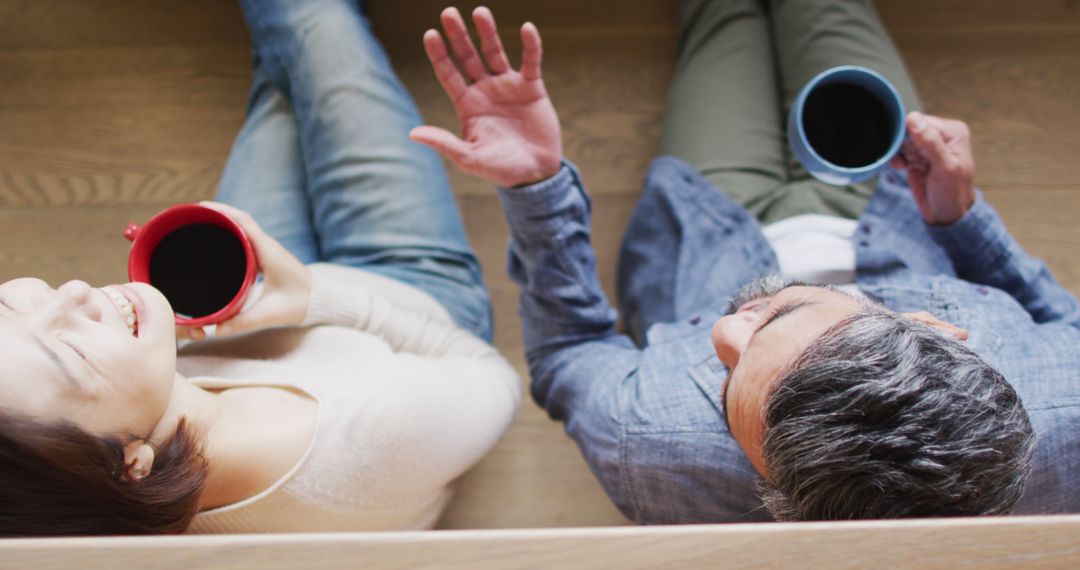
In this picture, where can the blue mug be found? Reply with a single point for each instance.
(846, 124)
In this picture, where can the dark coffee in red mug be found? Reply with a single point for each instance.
(199, 258)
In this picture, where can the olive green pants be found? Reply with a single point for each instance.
(740, 64)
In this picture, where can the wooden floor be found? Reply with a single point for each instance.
(113, 109)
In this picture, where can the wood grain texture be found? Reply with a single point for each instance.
(989, 543)
(52, 24)
(979, 17)
(535, 476)
(1017, 97)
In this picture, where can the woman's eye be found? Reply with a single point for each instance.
(75, 349)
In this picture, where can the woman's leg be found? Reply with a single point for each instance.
(811, 36)
(378, 200)
(723, 107)
(265, 172)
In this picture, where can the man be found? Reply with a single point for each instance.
(881, 395)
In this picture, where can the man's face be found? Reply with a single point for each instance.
(769, 324)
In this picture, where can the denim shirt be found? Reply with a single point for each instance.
(644, 406)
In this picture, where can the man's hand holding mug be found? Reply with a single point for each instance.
(940, 165)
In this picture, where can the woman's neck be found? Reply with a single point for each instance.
(251, 437)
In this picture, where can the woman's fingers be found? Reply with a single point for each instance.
(532, 53)
(494, 53)
(460, 42)
(190, 333)
(442, 140)
(445, 70)
(271, 257)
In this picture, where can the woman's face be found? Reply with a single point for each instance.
(104, 359)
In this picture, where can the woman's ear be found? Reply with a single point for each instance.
(934, 322)
(138, 460)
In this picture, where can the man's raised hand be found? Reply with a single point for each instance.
(510, 133)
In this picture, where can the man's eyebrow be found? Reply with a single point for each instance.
(783, 312)
(59, 362)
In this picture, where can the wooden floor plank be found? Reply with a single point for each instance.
(28, 24)
(990, 543)
(1017, 95)
(980, 17)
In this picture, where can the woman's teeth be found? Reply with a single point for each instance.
(126, 309)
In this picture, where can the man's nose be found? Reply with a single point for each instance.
(731, 335)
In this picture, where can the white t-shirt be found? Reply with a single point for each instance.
(816, 249)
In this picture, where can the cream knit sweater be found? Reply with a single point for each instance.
(407, 402)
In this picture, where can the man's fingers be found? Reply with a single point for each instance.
(460, 42)
(898, 162)
(533, 52)
(928, 137)
(490, 43)
(917, 183)
(442, 140)
(445, 70)
(950, 128)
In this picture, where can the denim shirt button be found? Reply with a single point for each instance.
(695, 319)
(865, 228)
(864, 243)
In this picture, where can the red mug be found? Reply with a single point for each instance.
(146, 239)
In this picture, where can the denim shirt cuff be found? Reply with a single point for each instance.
(977, 239)
(538, 208)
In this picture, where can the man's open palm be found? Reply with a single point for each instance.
(510, 133)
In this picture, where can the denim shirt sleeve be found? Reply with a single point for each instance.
(983, 252)
(577, 361)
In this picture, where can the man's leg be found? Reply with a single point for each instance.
(378, 200)
(723, 107)
(265, 172)
(722, 117)
(811, 36)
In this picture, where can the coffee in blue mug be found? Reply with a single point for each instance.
(846, 124)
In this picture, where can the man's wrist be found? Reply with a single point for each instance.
(976, 238)
(534, 207)
(537, 176)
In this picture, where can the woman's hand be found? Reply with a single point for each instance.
(510, 133)
(286, 283)
(941, 169)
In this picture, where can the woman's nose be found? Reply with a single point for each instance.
(78, 296)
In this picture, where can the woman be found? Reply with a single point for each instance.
(347, 397)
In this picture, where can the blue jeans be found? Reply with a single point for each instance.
(325, 165)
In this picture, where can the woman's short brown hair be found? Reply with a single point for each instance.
(58, 480)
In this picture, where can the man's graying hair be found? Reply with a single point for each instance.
(883, 417)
